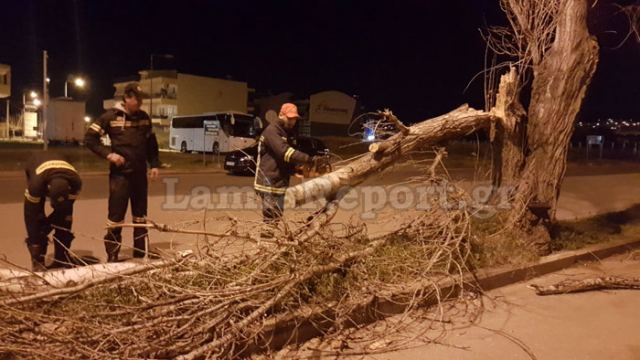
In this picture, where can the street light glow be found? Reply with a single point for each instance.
(33, 94)
(37, 102)
(87, 119)
(79, 82)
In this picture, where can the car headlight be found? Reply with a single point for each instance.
(246, 158)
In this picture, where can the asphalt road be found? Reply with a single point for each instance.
(175, 198)
(95, 186)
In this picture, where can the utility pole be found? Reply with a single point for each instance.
(45, 98)
(7, 118)
(151, 88)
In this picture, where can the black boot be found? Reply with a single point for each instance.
(139, 247)
(112, 246)
(37, 252)
(140, 237)
(140, 243)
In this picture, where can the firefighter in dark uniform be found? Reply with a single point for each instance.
(50, 175)
(133, 145)
(276, 160)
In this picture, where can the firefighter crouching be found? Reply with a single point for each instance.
(276, 160)
(50, 175)
(133, 145)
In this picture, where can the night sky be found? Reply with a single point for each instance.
(415, 57)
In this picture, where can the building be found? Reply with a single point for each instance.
(327, 113)
(172, 93)
(5, 81)
(5, 92)
(330, 113)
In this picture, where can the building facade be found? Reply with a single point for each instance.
(171, 93)
(5, 92)
(5, 81)
(327, 113)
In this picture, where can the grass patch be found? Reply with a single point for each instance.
(492, 245)
(573, 235)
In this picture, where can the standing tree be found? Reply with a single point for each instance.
(556, 58)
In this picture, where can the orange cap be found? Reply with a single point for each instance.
(289, 110)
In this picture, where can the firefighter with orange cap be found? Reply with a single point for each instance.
(276, 160)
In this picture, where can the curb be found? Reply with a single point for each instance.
(312, 322)
(495, 278)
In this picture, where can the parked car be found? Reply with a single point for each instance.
(243, 161)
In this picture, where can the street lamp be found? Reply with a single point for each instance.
(77, 81)
(33, 94)
(37, 102)
(87, 119)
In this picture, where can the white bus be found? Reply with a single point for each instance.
(218, 132)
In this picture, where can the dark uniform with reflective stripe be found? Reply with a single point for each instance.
(276, 159)
(41, 169)
(131, 137)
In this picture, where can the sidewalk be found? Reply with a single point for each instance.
(518, 324)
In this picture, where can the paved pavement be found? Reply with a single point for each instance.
(517, 324)
(581, 196)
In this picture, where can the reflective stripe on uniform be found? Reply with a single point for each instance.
(128, 123)
(54, 164)
(288, 154)
(269, 189)
(95, 127)
(139, 220)
(114, 223)
(31, 198)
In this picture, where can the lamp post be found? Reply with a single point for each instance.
(45, 97)
(79, 82)
(164, 56)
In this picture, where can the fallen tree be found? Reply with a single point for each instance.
(455, 124)
(209, 306)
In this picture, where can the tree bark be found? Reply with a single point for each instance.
(559, 86)
(508, 134)
(599, 283)
(458, 123)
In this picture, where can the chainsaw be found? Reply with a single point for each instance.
(319, 166)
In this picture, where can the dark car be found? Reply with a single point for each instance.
(244, 161)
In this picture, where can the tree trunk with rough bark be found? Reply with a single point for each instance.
(508, 134)
(559, 86)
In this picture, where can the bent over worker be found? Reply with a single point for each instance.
(133, 145)
(276, 158)
(50, 175)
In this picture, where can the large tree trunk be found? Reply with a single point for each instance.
(559, 86)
